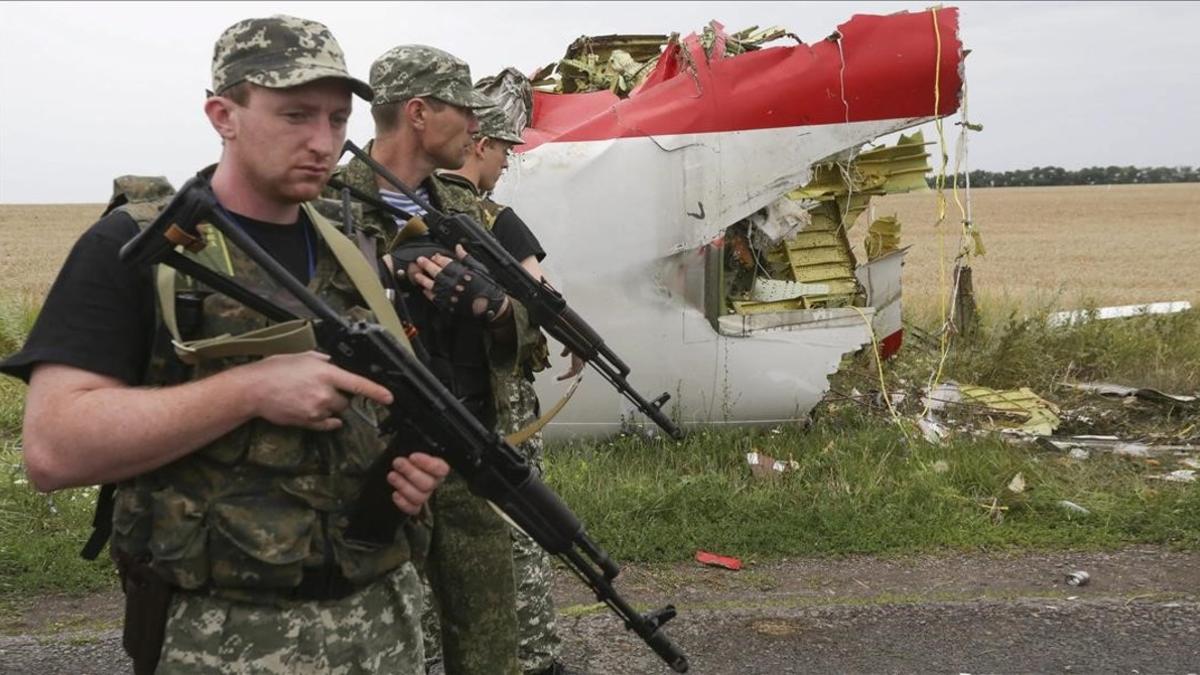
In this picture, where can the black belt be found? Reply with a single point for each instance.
(324, 583)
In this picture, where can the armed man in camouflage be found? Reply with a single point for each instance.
(232, 472)
(473, 332)
(500, 130)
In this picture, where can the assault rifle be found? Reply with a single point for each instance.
(546, 306)
(423, 414)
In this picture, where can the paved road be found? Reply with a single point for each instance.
(933, 614)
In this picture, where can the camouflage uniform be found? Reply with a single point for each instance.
(516, 400)
(249, 529)
(472, 622)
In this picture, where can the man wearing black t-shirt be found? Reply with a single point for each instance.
(516, 400)
(230, 471)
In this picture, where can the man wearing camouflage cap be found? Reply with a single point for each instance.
(500, 129)
(232, 472)
(424, 111)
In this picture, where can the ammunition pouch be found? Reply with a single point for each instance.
(147, 601)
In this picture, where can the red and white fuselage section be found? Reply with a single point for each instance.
(631, 197)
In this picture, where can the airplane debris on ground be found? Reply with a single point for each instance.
(714, 560)
(1073, 507)
(767, 467)
(1117, 391)
(1073, 317)
(1018, 410)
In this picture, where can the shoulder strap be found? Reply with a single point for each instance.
(361, 274)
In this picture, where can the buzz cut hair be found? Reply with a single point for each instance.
(387, 115)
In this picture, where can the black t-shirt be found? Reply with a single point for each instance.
(99, 315)
(516, 238)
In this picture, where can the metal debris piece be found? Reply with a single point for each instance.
(1131, 450)
(1023, 411)
(1073, 507)
(1119, 391)
(765, 466)
(714, 560)
(935, 432)
(1112, 444)
(1042, 418)
(1078, 578)
(1190, 462)
(1180, 476)
(1079, 453)
(1017, 484)
(1073, 317)
(941, 395)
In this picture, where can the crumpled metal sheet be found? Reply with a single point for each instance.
(1019, 409)
(622, 63)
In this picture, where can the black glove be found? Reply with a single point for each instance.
(459, 286)
(407, 254)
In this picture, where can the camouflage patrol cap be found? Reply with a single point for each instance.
(417, 70)
(493, 123)
(279, 52)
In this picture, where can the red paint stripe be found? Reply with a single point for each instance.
(890, 345)
(889, 74)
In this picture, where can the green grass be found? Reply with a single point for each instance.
(40, 535)
(1012, 349)
(862, 485)
(860, 488)
(16, 319)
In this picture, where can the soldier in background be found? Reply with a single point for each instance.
(472, 331)
(500, 130)
(232, 472)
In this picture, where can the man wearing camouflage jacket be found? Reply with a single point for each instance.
(473, 333)
(233, 473)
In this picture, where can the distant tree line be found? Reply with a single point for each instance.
(1092, 175)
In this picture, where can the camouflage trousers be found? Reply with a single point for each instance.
(469, 619)
(375, 630)
(539, 644)
(539, 641)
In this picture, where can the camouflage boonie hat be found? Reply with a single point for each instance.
(279, 52)
(493, 123)
(408, 71)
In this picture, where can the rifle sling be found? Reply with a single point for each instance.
(289, 337)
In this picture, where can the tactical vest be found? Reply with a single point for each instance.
(458, 349)
(454, 195)
(255, 512)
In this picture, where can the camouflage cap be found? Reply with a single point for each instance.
(494, 123)
(513, 94)
(416, 70)
(278, 52)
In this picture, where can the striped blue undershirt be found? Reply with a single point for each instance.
(405, 204)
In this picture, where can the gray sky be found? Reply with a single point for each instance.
(95, 90)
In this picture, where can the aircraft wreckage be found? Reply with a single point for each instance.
(697, 196)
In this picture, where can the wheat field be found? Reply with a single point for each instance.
(1060, 247)
(1046, 247)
